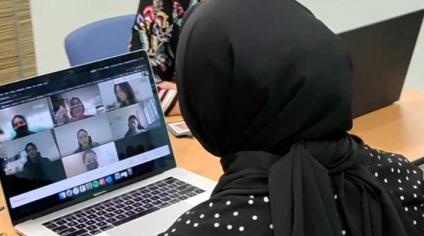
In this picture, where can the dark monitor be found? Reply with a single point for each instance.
(381, 55)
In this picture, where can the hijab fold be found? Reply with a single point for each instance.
(267, 87)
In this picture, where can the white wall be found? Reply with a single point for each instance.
(415, 76)
(344, 15)
(52, 20)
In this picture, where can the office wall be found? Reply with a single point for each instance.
(415, 76)
(52, 20)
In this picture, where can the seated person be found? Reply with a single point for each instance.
(36, 166)
(84, 141)
(124, 94)
(60, 111)
(77, 109)
(156, 30)
(134, 126)
(267, 87)
(20, 125)
(90, 160)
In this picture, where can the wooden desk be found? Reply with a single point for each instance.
(398, 128)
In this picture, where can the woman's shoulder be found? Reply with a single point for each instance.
(377, 159)
(226, 215)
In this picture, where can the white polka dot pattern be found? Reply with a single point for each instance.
(240, 215)
(401, 179)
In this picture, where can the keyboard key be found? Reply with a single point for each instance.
(165, 199)
(101, 224)
(106, 227)
(91, 227)
(80, 226)
(187, 190)
(50, 225)
(109, 215)
(199, 190)
(60, 228)
(79, 232)
(90, 222)
(60, 222)
(111, 220)
(72, 223)
(66, 231)
(94, 232)
(128, 219)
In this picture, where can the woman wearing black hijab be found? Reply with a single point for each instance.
(267, 87)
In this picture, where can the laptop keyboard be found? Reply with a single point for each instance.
(123, 208)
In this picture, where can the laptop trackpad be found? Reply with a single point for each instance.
(152, 224)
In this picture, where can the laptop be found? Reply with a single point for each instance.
(86, 151)
(381, 54)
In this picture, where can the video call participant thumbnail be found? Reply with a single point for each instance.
(76, 105)
(125, 91)
(25, 119)
(20, 126)
(134, 126)
(134, 145)
(124, 94)
(128, 121)
(84, 141)
(83, 135)
(90, 160)
(77, 110)
(33, 161)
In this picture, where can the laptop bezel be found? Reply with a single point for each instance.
(87, 67)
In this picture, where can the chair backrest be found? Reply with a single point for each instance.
(98, 40)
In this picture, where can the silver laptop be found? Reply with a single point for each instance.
(85, 151)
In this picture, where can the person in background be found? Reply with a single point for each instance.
(36, 166)
(84, 141)
(60, 111)
(156, 30)
(77, 110)
(124, 94)
(20, 125)
(134, 126)
(266, 86)
(89, 158)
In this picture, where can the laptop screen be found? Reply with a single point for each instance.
(74, 134)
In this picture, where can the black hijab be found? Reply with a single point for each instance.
(267, 87)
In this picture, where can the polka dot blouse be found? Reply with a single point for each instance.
(249, 214)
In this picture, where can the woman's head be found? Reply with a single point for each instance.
(237, 96)
(77, 108)
(84, 140)
(89, 158)
(133, 123)
(124, 93)
(19, 123)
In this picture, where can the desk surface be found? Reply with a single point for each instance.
(397, 128)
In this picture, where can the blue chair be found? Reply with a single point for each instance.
(98, 40)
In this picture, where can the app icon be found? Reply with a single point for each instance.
(124, 174)
(69, 193)
(102, 181)
(109, 180)
(117, 176)
(76, 191)
(82, 188)
(95, 184)
(89, 186)
(130, 171)
(62, 195)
